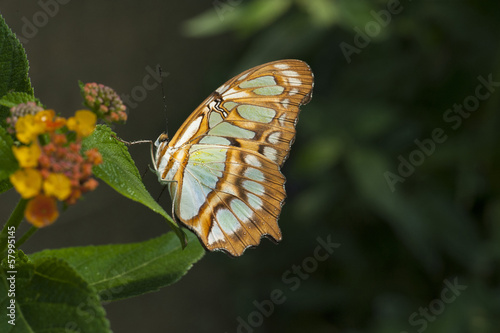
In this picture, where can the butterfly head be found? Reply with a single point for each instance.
(160, 145)
(162, 139)
(162, 156)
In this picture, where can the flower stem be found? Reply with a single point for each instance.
(25, 237)
(12, 223)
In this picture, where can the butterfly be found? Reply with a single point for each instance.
(222, 167)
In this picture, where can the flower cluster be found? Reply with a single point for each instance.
(52, 166)
(104, 101)
(18, 111)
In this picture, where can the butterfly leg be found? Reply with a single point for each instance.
(130, 143)
(174, 199)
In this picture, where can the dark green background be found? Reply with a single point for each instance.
(399, 250)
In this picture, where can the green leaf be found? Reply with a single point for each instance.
(212, 22)
(323, 12)
(5, 185)
(126, 270)
(14, 98)
(14, 66)
(50, 297)
(118, 170)
(261, 13)
(245, 18)
(9, 163)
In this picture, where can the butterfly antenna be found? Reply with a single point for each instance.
(164, 99)
(161, 193)
(145, 172)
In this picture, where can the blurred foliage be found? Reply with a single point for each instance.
(400, 246)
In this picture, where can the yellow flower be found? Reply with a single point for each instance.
(45, 116)
(57, 185)
(27, 156)
(28, 182)
(41, 211)
(49, 119)
(28, 128)
(83, 123)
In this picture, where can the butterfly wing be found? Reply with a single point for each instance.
(224, 163)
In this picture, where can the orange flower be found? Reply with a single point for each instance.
(74, 196)
(93, 156)
(41, 211)
(47, 118)
(90, 185)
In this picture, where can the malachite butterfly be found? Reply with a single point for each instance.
(222, 167)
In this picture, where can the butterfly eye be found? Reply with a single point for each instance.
(162, 138)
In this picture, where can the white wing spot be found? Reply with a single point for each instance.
(290, 73)
(222, 89)
(164, 159)
(293, 81)
(232, 93)
(282, 119)
(270, 153)
(274, 137)
(293, 91)
(285, 102)
(253, 187)
(244, 76)
(254, 174)
(281, 66)
(190, 131)
(252, 160)
(215, 234)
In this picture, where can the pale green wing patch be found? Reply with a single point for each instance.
(256, 113)
(229, 130)
(261, 81)
(269, 91)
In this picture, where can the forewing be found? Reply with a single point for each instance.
(262, 107)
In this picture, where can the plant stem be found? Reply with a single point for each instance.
(25, 237)
(14, 220)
